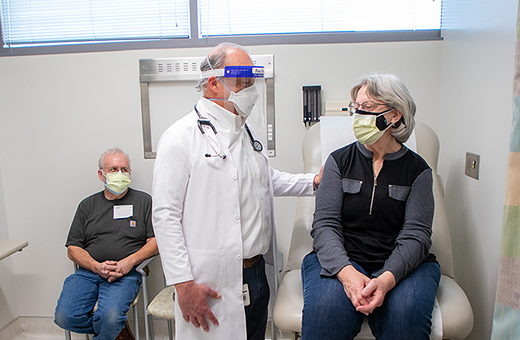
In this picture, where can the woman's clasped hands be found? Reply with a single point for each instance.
(365, 294)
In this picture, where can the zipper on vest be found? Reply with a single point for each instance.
(373, 194)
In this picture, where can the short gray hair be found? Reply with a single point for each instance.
(216, 59)
(101, 162)
(391, 90)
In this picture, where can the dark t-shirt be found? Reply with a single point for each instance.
(112, 229)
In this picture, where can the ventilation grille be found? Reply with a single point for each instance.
(179, 69)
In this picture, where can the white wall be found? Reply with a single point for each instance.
(8, 302)
(58, 113)
(476, 113)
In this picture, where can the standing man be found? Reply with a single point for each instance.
(213, 205)
(110, 235)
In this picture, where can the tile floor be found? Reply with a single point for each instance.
(37, 328)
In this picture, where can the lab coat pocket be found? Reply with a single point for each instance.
(351, 186)
(398, 192)
(209, 267)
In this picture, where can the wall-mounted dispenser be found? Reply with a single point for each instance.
(311, 104)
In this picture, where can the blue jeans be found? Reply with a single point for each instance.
(256, 312)
(405, 314)
(80, 293)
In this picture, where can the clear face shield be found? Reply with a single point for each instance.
(246, 88)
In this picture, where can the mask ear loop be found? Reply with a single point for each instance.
(399, 122)
(207, 59)
(211, 67)
(224, 86)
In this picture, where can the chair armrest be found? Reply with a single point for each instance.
(140, 268)
(457, 314)
(287, 310)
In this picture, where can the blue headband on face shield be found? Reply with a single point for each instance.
(235, 72)
(244, 71)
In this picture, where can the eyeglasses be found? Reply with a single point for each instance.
(113, 169)
(238, 83)
(368, 105)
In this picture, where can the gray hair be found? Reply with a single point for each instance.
(389, 89)
(101, 162)
(215, 60)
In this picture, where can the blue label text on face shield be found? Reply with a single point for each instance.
(244, 71)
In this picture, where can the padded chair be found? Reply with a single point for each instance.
(162, 306)
(141, 269)
(452, 305)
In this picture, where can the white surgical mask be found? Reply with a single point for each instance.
(365, 127)
(117, 182)
(244, 100)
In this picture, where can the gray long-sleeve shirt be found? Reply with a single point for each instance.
(383, 223)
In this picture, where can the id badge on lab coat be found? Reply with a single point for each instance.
(245, 294)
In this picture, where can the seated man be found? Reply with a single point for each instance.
(110, 235)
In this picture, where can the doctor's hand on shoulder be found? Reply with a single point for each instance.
(317, 179)
(193, 302)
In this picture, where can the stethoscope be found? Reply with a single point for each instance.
(215, 145)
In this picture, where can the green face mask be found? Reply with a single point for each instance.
(117, 182)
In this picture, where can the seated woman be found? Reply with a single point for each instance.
(372, 227)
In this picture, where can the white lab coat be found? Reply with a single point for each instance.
(196, 217)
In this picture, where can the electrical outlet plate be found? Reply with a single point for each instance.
(472, 165)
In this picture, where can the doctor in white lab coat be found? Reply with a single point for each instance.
(213, 210)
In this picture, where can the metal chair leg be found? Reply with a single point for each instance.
(142, 269)
(68, 335)
(274, 331)
(170, 329)
(150, 334)
(147, 319)
(136, 322)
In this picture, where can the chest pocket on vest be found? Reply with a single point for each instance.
(398, 192)
(351, 186)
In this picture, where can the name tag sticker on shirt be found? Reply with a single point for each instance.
(123, 211)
